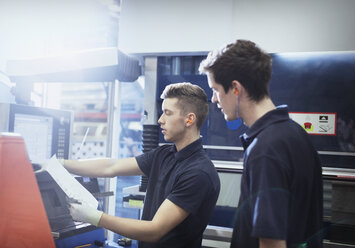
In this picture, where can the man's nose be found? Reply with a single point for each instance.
(214, 98)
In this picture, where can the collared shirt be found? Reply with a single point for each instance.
(281, 189)
(188, 179)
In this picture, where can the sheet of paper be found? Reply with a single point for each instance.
(71, 187)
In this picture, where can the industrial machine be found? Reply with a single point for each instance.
(23, 218)
(45, 132)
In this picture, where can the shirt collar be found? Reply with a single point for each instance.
(187, 150)
(271, 117)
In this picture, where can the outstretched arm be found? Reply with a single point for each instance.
(103, 167)
(166, 218)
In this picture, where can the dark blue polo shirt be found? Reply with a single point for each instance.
(187, 178)
(281, 189)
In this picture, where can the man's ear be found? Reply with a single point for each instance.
(237, 87)
(190, 119)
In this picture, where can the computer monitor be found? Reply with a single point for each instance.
(227, 202)
(45, 131)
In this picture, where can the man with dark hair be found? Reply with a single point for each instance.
(183, 185)
(281, 201)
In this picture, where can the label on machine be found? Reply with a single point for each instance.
(316, 123)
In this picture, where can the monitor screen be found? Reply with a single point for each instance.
(37, 133)
(227, 202)
(46, 132)
(229, 192)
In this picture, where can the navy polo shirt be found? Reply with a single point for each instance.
(187, 178)
(281, 189)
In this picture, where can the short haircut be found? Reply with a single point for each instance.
(243, 61)
(191, 98)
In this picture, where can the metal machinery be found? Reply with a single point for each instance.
(47, 131)
(319, 89)
(23, 218)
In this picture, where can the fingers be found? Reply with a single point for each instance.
(76, 212)
(85, 214)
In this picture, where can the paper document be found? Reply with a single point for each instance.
(71, 187)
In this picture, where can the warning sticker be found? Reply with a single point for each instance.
(316, 123)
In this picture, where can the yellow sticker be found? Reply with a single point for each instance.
(135, 203)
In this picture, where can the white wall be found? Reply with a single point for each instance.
(303, 25)
(174, 25)
(201, 25)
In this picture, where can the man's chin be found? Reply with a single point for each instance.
(229, 118)
(167, 139)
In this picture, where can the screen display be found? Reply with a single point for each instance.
(37, 134)
(229, 192)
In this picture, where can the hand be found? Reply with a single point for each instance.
(85, 214)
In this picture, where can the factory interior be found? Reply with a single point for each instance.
(83, 80)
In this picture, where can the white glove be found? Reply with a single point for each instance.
(85, 214)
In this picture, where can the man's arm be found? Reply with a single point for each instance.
(165, 219)
(271, 243)
(103, 167)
